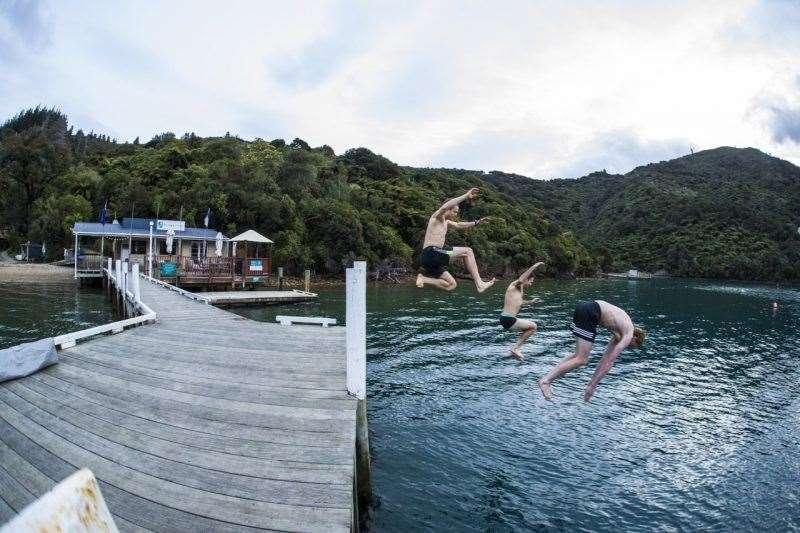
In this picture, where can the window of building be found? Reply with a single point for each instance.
(139, 247)
(195, 250)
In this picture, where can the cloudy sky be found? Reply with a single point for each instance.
(544, 89)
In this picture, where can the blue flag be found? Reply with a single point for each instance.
(104, 213)
(208, 217)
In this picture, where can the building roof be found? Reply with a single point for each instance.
(140, 227)
(251, 236)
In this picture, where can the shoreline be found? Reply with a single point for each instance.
(29, 272)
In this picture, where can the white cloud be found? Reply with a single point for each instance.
(538, 88)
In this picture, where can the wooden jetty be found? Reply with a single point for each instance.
(201, 421)
(228, 298)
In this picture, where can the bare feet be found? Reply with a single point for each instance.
(420, 284)
(545, 386)
(516, 353)
(486, 284)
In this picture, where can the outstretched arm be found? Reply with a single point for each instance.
(452, 202)
(609, 358)
(532, 301)
(465, 225)
(528, 273)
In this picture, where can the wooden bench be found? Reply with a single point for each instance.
(289, 320)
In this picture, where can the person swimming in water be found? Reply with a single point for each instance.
(513, 302)
(436, 254)
(588, 314)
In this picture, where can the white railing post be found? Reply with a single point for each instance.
(109, 266)
(150, 252)
(356, 333)
(137, 292)
(118, 274)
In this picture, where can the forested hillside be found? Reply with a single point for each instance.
(722, 213)
(323, 210)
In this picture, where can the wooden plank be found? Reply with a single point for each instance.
(211, 471)
(231, 356)
(288, 320)
(136, 509)
(38, 484)
(6, 512)
(211, 389)
(294, 454)
(277, 416)
(164, 368)
(225, 508)
(164, 413)
(12, 491)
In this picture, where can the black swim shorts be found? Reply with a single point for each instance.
(507, 320)
(585, 320)
(434, 260)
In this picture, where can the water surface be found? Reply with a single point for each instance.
(37, 309)
(698, 430)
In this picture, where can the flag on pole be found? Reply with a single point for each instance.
(208, 217)
(104, 213)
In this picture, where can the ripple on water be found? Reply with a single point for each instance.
(698, 431)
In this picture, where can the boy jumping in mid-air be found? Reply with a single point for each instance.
(512, 305)
(588, 314)
(436, 255)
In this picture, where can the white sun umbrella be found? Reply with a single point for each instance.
(170, 236)
(219, 244)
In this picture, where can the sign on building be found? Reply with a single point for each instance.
(166, 225)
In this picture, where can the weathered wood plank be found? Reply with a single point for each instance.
(268, 415)
(159, 367)
(14, 494)
(138, 510)
(278, 359)
(225, 508)
(164, 413)
(267, 453)
(6, 512)
(211, 471)
(211, 389)
(38, 484)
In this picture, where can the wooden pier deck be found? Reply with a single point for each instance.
(204, 421)
(228, 298)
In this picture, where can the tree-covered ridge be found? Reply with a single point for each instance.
(322, 210)
(722, 213)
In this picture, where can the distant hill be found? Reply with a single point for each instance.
(322, 209)
(721, 213)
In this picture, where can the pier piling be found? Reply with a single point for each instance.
(356, 279)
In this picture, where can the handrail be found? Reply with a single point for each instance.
(68, 340)
(180, 291)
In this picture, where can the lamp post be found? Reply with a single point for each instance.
(150, 252)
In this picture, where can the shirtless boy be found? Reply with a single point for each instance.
(512, 305)
(588, 314)
(436, 255)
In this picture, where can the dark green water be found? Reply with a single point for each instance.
(31, 311)
(700, 430)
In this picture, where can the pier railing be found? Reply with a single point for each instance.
(127, 285)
